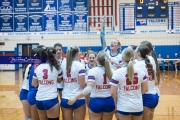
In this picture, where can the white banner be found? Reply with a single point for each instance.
(157, 22)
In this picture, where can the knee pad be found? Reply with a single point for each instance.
(53, 118)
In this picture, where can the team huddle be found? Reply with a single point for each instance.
(111, 82)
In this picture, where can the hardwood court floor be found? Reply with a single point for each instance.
(11, 108)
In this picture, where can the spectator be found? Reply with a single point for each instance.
(175, 62)
(161, 62)
(167, 62)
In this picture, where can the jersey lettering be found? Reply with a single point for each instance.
(135, 80)
(45, 71)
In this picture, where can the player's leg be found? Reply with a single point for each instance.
(95, 116)
(67, 111)
(52, 108)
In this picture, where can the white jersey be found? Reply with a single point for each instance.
(47, 80)
(101, 87)
(71, 80)
(25, 84)
(87, 67)
(152, 89)
(129, 95)
(143, 66)
(117, 58)
(60, 85)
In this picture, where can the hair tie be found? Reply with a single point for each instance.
(105, 58)
(35, 54)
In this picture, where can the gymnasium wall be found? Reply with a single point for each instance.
(157, 38)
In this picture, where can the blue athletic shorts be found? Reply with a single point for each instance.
(97, 105)
(130, 113)
(46, 104)
(23, 94)
(31, 97)
(150, 100)
(77, 104)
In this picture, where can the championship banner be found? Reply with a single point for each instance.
(35, 5)
(50, 22)
(20, 6)
(6, 23)
(21, 23)
(65, 22)
(50, 5)
(6, 6)
(80, 5)
(65, 5)
(80, 21)
(35, 23)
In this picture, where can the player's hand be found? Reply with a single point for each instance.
(72, 100)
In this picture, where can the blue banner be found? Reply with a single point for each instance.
(65, 5)
(50, 5)
(80, 5)
(35, 5)
(65, 22)
(21, 23)
(80, 21)
(20, 59)
(20, 6)
(50, 22)
(6, 6)
(35, 23)
(6, 23)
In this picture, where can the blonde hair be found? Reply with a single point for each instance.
(102, 58)
(70, 54)
(128, 54)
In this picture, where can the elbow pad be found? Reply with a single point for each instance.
(87, 90)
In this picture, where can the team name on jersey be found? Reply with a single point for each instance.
(103, 86)
(46, 82)
(70, 80)
(131, 87)
(149, 75)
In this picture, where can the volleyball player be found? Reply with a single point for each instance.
(151, 97)
(141, 54)
(129, 83)
(115, 57)
(74, 81)
(24, 92)
(33, 90)
(101, 105)
(45, 78)
(60, 59)
(91, 58)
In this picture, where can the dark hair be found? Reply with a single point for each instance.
(47, 55)
(40, 46)
(144, 51)
(70, 54)
(153, 54)
(134, 47)
(58, 44)
(34, 52)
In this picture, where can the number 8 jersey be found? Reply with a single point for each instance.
(101, 87)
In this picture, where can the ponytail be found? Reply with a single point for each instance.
(107, 67)
(130, 71)
(51, 59)
(150, 67)
(70, 54)
(153, 54)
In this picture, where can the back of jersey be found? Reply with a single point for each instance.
(102, 86)
(47, 80)
(71, 80)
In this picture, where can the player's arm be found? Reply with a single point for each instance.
(35, 82)
(84, 92)
(60, 78)
(114, 85)
(82, 73)
(102, 35)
